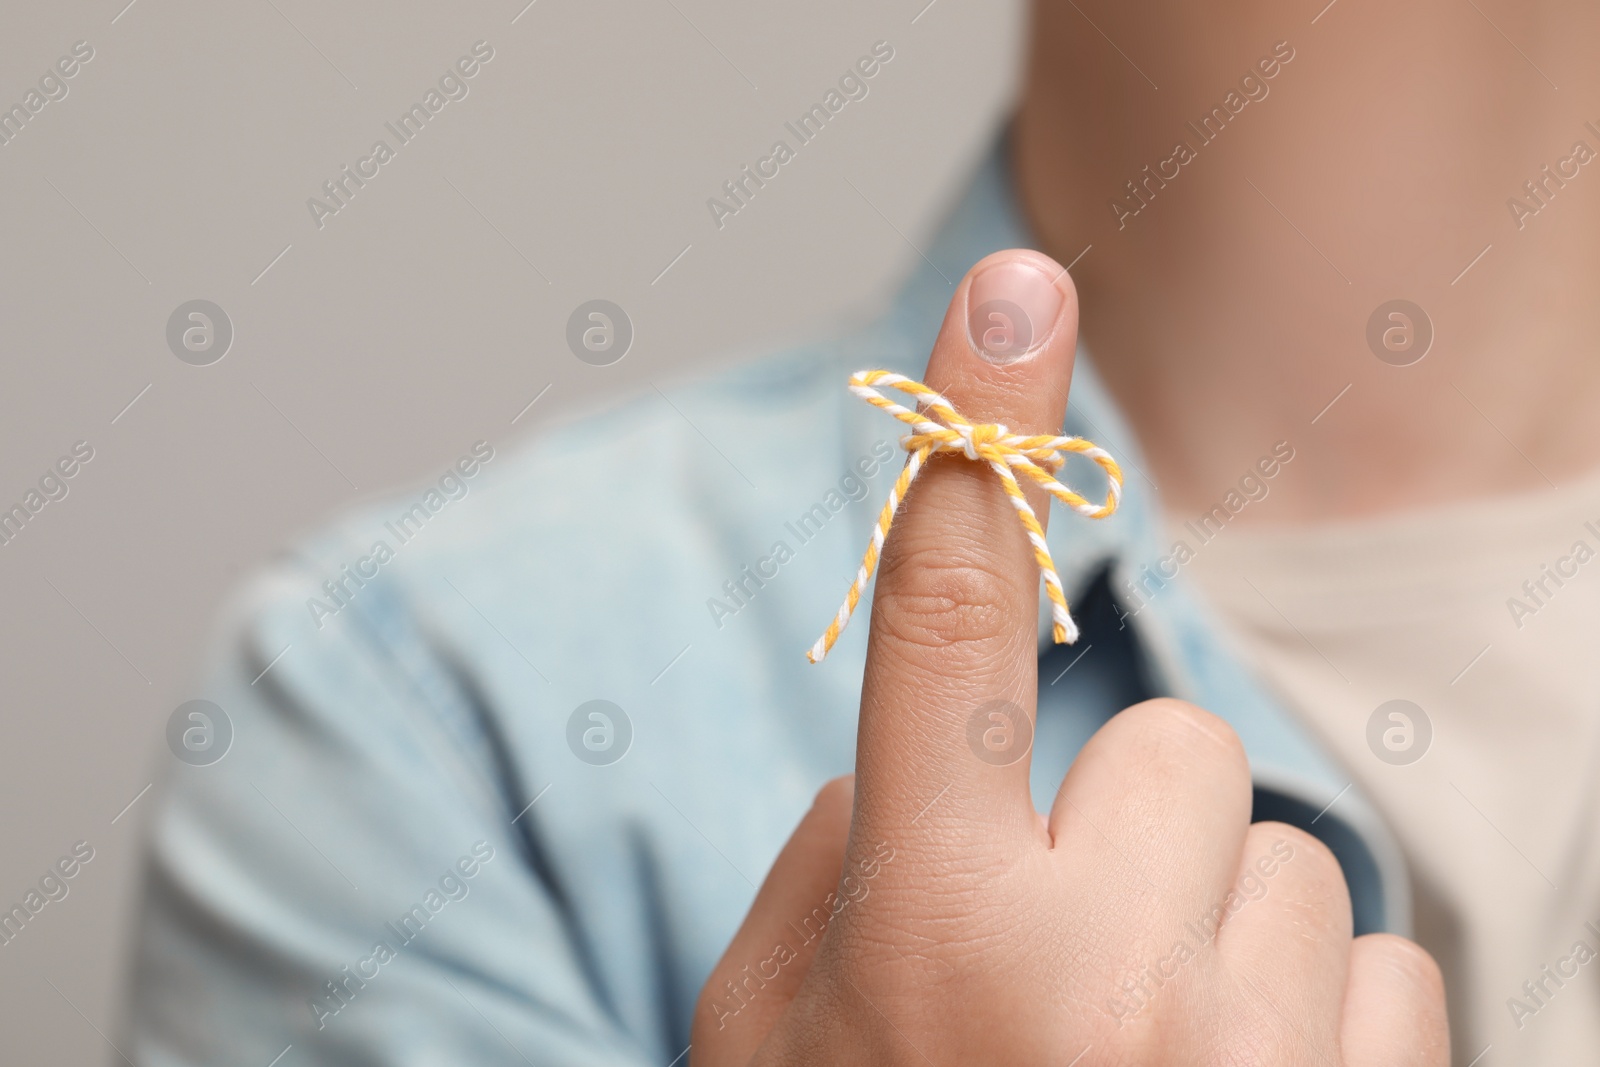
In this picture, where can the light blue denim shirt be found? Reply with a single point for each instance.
(421, 846)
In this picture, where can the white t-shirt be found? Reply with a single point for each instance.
(1486, 617)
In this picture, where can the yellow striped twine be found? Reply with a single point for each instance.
(1039, 457)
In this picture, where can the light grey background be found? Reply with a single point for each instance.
(373, 352)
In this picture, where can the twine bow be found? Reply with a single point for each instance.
(1038, 457)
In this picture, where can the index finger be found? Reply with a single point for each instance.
(951, 680)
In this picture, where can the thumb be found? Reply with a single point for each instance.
(757, 977)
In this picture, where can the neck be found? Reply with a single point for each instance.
(1226, 293)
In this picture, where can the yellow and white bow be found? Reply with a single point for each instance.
(938, 427)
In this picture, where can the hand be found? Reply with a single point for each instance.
(925, 913)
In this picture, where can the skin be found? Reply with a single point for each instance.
(977, 931)
(1392, 141)
(1224, 316)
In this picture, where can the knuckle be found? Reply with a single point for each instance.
(938, 604)
(1408, 962)
(1313, 859)
(1316, 881)
(1192, 730)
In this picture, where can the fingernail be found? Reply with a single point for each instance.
(1012, 307)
